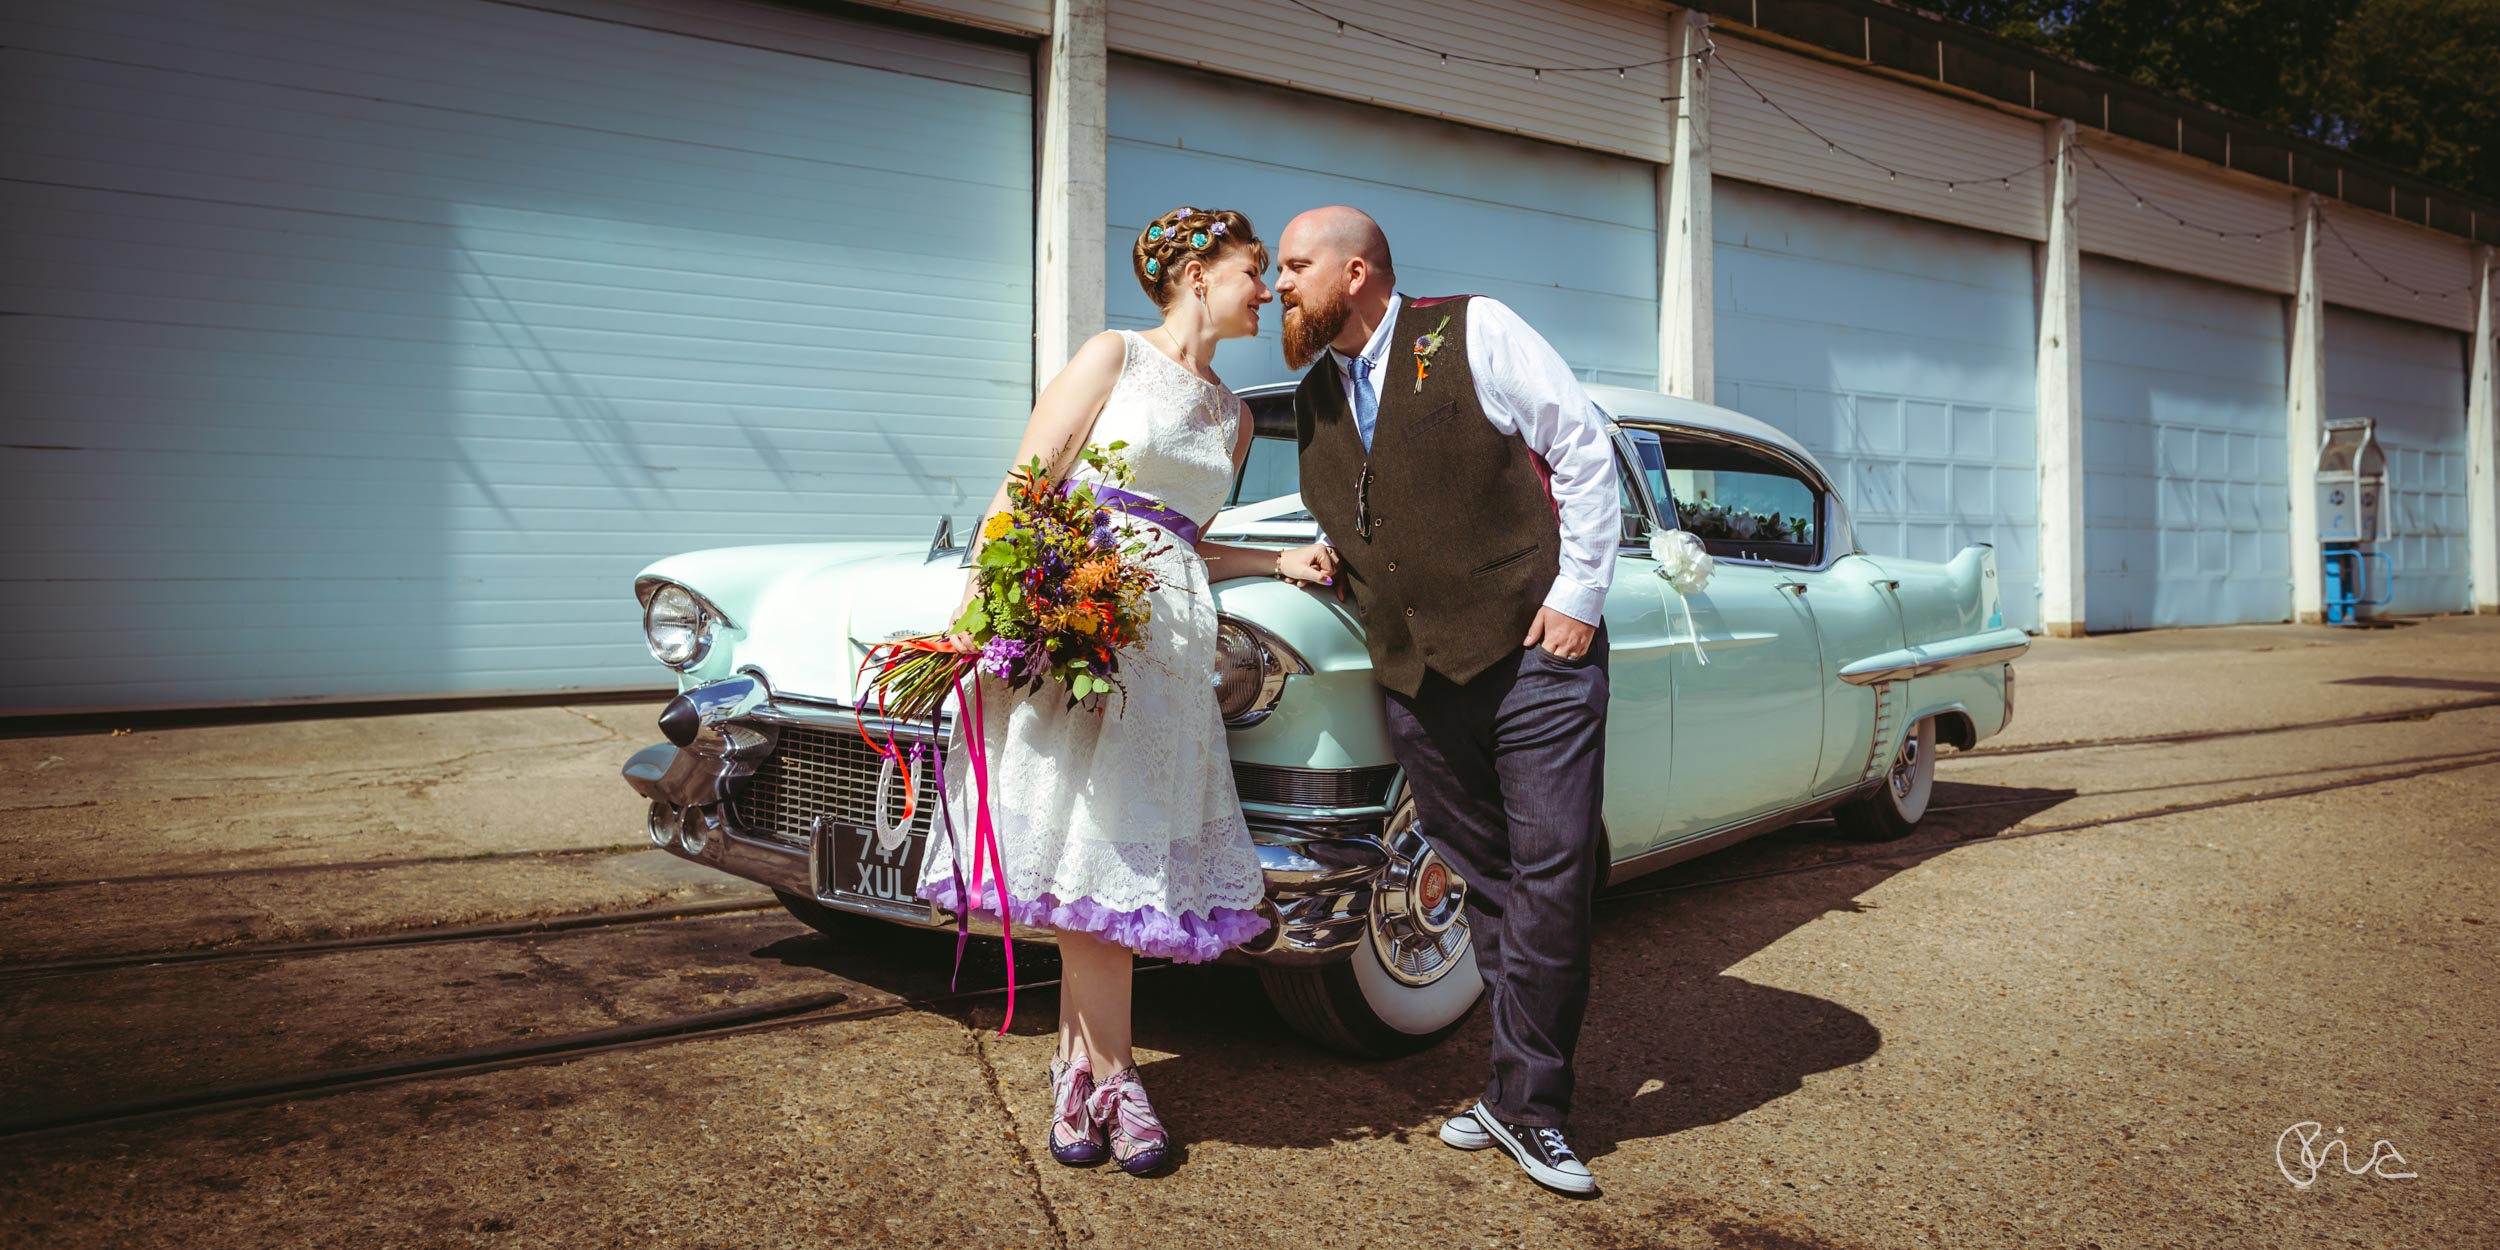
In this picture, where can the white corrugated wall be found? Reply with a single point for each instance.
(1567, 237)
(1894, 125)
(1284, 44)
(2123, 193)
(2389, 265)
(370, 348)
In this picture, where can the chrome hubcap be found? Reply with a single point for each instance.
(1419, 909)
(1905, 768)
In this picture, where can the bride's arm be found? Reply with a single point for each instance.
(1226, 561)
(1061, 419)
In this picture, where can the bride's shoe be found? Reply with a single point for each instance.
(1139, 1143)
(1076, 1136)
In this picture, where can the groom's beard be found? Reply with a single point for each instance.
(1310, 327)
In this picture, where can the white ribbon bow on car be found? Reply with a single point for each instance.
(1684, 564)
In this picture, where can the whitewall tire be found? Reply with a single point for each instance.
(1411, 981)
(1896, 807)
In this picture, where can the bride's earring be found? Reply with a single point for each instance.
(1203, 310)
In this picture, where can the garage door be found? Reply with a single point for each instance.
(2186, 503)
(1900, 352)
(2411, 377)
(1567, 237)
(369, 347)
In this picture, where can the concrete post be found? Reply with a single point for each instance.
(1072, 196)
(2482, 397)
(1685, 338)
(2059, 373)
(2306, 422)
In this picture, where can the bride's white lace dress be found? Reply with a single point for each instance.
(1124, 822)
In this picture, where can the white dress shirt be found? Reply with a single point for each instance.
(1527, 390)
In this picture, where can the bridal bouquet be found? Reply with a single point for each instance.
(1061, 589)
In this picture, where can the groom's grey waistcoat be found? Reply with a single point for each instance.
(1464, 540)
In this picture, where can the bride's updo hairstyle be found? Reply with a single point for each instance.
(1185, 234)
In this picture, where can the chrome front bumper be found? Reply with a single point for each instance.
(1322, 863)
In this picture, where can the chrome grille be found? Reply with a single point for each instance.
(1314, 787)
(817, 771)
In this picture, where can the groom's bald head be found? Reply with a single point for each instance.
(1334, 279)
(1342, 233)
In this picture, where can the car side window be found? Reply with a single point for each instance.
(1273, 467)
(1742, 503)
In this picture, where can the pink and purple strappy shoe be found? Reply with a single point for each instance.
(1076, 1137)
(1139, 1143)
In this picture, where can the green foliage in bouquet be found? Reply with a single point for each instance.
(1060, 589)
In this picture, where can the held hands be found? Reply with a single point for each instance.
(1305, 565)
(1564, 637)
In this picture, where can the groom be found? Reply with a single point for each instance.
(1465, 489)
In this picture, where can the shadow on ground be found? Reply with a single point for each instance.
(1672, 1039)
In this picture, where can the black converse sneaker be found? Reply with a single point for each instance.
(1542, 1152)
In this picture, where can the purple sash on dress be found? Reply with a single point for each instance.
(1145, 508)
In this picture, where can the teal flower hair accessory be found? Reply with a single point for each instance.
(1198, 240)
(1154, 234)
(1153, 267)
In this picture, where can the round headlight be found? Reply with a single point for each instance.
(674, 626)
(1242, 666)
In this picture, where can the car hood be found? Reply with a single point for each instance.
(1282, 519)
(804, 615)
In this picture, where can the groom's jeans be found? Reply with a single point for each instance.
(1508, 775)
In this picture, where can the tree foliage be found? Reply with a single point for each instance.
(2409, 83)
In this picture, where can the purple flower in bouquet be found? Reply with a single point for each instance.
(1001, 657)
(1106, 536)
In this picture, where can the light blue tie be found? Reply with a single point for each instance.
(1366, 400)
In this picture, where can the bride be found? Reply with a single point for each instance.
(1120, 828)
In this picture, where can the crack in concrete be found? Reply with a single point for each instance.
(1015, 1137)
(613, 732)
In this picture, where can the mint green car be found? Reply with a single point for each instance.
(1806, 678)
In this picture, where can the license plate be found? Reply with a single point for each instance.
(859, 869)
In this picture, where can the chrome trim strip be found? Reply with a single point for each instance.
(782, 710)
(1996, 646)
(1728, 835)
(1286, 814)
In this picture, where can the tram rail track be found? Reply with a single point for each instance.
(599, 920)
(536, 927)
(829, 1007)
(790, 1013)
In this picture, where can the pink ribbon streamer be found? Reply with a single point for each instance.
(986, 855)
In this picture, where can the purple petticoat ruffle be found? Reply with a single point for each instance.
(1147, 931)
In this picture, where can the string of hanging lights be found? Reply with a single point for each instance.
(1952, 183)
(1539, 71)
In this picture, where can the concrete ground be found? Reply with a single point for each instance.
(2081, 1006)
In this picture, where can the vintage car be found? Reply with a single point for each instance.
(1806, 678)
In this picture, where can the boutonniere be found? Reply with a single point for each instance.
(1425, 346)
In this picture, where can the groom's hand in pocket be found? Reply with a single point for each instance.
(1563, 636)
